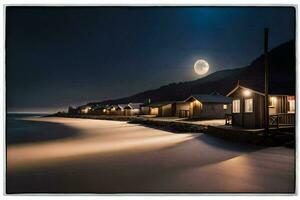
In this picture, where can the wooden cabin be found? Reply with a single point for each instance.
(72, 110)
(132, 109)
(248, 108)
(159, 109)
(120, 109)
(145, 109)
(85, 109)
(98, 109)
(209, 106)
(111, 110)
(103, 110)
(166, 109)
(182, 109)
(95, 109)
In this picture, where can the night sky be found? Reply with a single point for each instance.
(57, 57)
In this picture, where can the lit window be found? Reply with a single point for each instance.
(291, 101)
(224, 106)
(248, 105)
(272, 101)
(236, 106)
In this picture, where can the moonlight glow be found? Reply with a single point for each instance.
(201, 67)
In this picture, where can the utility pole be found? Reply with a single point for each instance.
(266, 41)
(149, 109)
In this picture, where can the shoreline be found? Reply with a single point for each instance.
(113, 156)
(234, 135)
(99, 117)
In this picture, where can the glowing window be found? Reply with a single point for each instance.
(272, 101)
(236, 104)
(225, 106)
(248, 105)
(291, 101)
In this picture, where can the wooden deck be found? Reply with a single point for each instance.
(241, 129)
(278, 121)
(282, 120)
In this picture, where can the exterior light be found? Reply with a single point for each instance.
(86, 110)
(104, 110)
(273, 99)
(247, 93)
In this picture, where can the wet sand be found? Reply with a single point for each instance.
(100, 156)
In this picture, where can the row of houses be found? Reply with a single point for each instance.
(244, 105)
(210, 106)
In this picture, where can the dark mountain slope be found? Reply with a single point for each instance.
(282, 62)
(282, 79)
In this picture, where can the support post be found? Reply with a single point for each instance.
(149, 109)
(266, 44)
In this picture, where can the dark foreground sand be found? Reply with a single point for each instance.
(101, 156)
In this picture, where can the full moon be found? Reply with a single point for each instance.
(201, 67)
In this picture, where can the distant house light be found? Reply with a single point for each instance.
(86, 110)
(225, 106)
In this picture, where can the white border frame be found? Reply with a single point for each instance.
(138, 3)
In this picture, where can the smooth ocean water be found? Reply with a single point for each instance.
(18, 129)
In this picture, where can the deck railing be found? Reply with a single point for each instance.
(282, 119)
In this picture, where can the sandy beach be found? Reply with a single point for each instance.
(100, 156)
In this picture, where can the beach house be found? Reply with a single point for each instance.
(111, 110)
(166, 109)
(182, 109)
(209, 106)
(85, 109)
(132, 109)
(155, 109)
(248, 105)
(159, 109)
(120, 109)
(162, 109)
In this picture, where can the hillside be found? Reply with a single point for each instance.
(282, 76)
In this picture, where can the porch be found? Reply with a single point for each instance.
(282, 120)
(279, 120)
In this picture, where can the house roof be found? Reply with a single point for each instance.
(210, 98)
(83, 107)
(104, 106)
(275, 88)
(133, 106)
(96, 107)
(122, 106)
(158, 104)
(280, 88)
(112, 106)
(239, 86)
